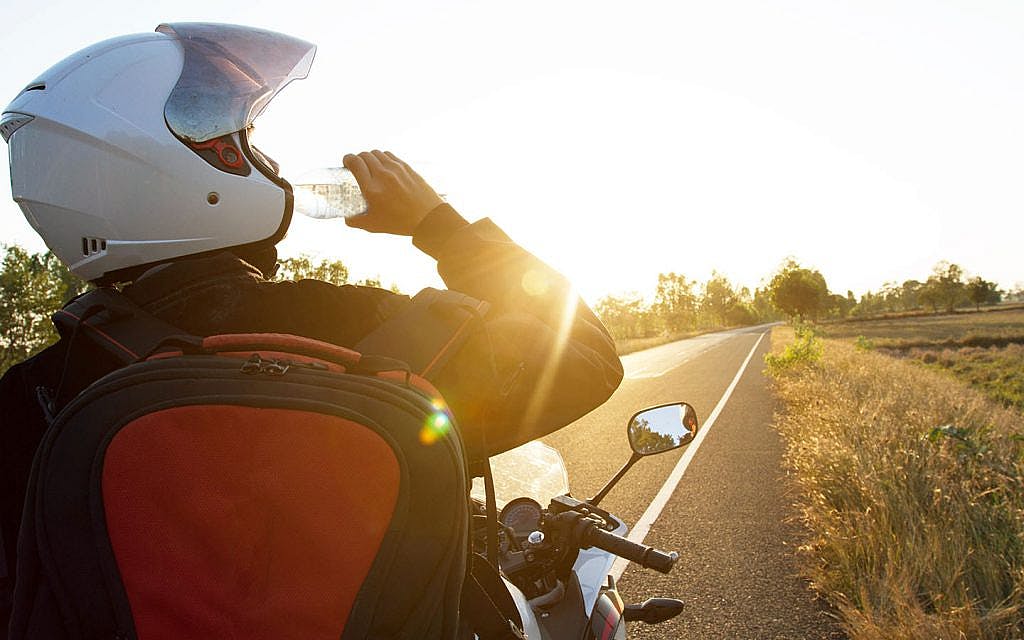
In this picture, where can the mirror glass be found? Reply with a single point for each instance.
(662, 428)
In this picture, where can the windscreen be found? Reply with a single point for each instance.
(229, 75)
(533, 470)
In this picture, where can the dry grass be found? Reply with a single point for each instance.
(913, 486)
(984, 349)
(990, 328)
(999, 372)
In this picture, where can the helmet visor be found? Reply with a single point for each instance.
(229, 76)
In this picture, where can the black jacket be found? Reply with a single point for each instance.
(543, 361)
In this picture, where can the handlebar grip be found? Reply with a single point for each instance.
(641, 554)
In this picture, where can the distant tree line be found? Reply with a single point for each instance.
(34, 285)
(681, 305)
(946, 289)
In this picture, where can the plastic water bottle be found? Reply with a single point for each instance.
(331, 192)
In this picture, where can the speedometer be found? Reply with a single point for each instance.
(522, 515)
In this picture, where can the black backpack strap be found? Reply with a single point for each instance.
(488, 606)
(110, 320)
(101, 322)
(427, 331)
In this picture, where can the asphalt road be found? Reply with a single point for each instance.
(729, 518)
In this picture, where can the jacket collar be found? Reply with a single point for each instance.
(168, 278)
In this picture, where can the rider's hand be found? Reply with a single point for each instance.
(397, 197)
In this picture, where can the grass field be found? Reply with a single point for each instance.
(986, 350)
(910, 480)
(961, 329)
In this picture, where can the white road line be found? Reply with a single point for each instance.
(643, 526)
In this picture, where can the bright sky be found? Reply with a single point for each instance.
(868, 139)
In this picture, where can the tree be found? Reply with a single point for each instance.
(929, 295)
(302, 267)
(33, 286)
(371, 282)
(719, 297)
(763, 307)
(626, 316)
(741, 314)
(334, 271)
(1017, 293)
(675, 302)
(840, 306)
(644, 438)
(799, 292)
(981, 291)
(945, 286)
(910, 291)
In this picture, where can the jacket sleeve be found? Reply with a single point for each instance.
(541, 359)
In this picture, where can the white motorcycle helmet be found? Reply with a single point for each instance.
(135, 151)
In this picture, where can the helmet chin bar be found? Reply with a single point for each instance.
(270, 169)
(266, 160)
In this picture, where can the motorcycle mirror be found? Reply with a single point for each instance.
(662, 428)
(655, 430)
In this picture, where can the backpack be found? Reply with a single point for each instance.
(241, 486)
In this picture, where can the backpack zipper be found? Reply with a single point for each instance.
(256, 364)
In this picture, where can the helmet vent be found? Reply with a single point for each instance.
(11, 122)
(93, 246)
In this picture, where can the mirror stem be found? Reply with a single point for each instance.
(618, 476)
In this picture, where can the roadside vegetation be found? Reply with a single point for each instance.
(909, 467)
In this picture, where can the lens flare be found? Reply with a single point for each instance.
(556, 349)
(437, 427)
(535, 283)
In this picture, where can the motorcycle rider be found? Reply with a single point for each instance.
(133, 162)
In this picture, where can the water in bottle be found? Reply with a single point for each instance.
(331, 192)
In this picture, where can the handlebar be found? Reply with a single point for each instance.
(643, 555)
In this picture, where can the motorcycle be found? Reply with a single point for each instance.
(555, 560)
